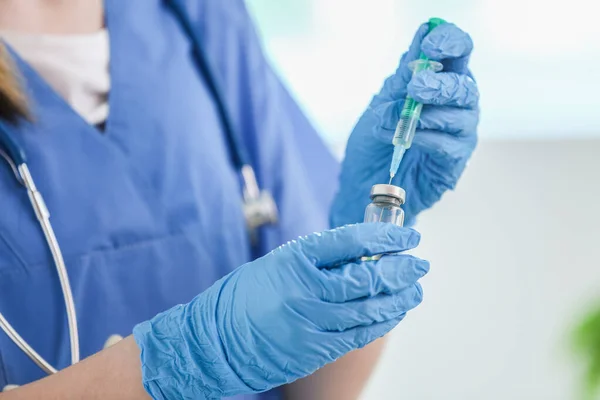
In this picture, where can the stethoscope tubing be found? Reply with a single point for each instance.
(25, 347)
(43, 216)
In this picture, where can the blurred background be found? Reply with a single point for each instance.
(514, 262)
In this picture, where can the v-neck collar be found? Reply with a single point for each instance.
(27, 70)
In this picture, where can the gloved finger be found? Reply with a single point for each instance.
(364, 312)
(335, 247)
(446, 43)
(444, 88)
(390, 274)
(450, 45)
(449, 148)
(363, 335)
(452, 120)
(337, 344)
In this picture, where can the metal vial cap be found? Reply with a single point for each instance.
(389, 190)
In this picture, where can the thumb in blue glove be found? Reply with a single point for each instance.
(283, 316)
(445, 138)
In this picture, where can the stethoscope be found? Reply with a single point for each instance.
(258, 205)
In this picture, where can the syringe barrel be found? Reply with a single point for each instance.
(407, 125)
(411, 111)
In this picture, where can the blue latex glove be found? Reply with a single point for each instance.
(283, 316)
(445, 138)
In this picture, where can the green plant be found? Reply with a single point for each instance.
(587, 344)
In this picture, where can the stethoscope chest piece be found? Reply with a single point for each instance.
(260, 211)
(259, 206)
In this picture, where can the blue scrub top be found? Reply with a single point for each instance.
(148, 213)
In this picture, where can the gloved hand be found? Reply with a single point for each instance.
(445, 136)
(283, 316)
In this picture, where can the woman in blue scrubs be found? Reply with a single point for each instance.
(135, 161)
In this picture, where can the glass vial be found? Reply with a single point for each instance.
(385, 207)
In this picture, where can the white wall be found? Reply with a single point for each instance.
(514, 255)
(335, 54)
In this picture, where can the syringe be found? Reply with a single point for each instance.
(411, 111)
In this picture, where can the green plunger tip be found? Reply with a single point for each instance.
(434, 22)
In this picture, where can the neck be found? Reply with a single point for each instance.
(52, 16)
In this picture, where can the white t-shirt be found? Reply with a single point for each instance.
(75, 66)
